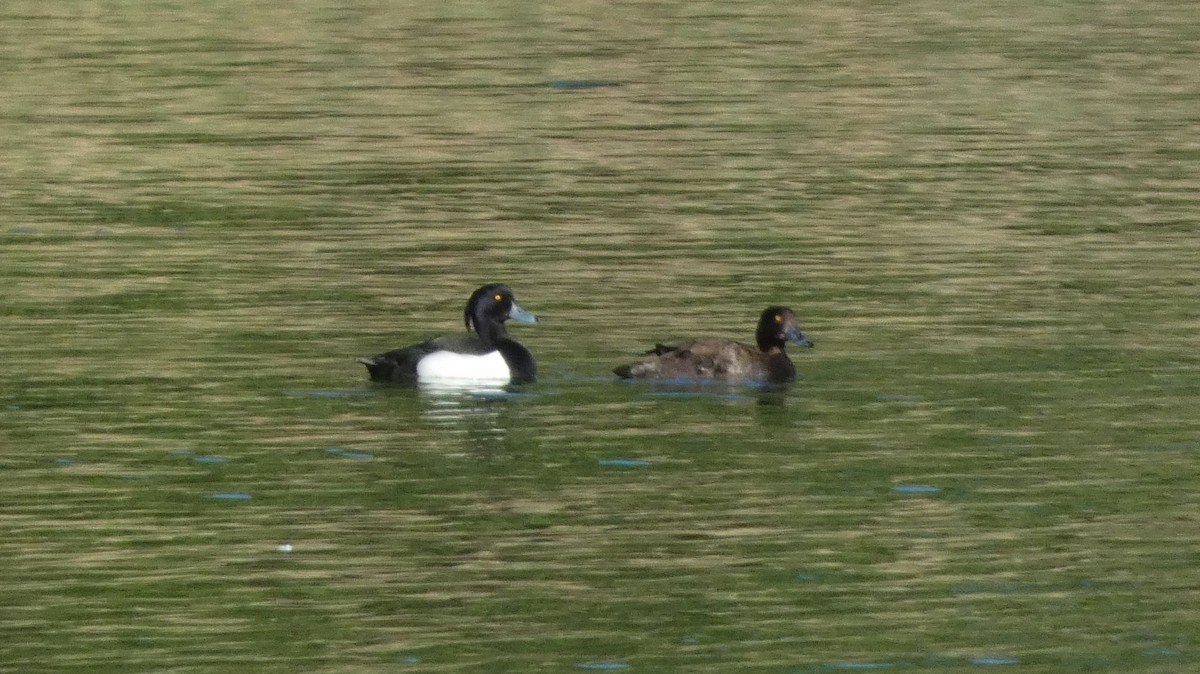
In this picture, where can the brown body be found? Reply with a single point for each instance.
(712, 359)
(725, 359)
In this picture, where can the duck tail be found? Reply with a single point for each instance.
(639, 370)
(377, 369)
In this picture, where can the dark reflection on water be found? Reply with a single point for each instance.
(773, 404)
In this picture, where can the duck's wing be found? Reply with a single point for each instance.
(465, 344)
(724, 359)
(400, 365)
(701, 359)
(660, 349)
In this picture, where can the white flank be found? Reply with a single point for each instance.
(447, 366)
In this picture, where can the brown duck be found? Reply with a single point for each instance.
(726, 359)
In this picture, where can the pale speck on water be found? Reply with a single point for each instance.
(985, 215)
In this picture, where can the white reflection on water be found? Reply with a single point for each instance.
(474, 408)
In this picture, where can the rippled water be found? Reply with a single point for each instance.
(984, 216)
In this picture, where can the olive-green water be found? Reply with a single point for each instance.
(986, 215)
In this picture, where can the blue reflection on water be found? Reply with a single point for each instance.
(916, 489)
(231, 496)
(624, 463)
(991, 661)
(338, 451)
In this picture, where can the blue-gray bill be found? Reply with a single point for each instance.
(796, 337)
(516, 313)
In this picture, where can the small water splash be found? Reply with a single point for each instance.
(231, 496)
(346, 454)
(208, 459)
(624, 463)
(916, 489)
(989, 661)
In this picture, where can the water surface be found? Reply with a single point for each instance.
(984, 216)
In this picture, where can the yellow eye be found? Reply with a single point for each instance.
(778, 318)
(499, 297)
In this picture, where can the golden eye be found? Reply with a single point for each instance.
(778, 318)
(499, 297)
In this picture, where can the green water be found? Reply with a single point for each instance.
(984, 215)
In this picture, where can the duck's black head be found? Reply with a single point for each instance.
(488, 308)
(776, 327)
